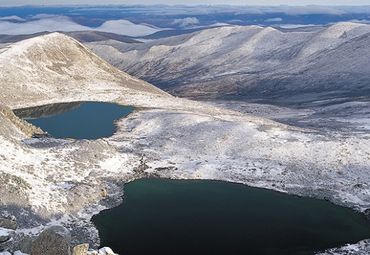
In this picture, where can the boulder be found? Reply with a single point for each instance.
(102, 251)
(23, 244)
(55, 240)
(19, 253)
(80, 249)
(367, 213)
(5, 235)
(8, 222)
(106, 251)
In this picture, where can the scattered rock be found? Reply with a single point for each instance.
(4, 238)
(80, 249)
(104, 193)
(140, 169)
(24, 244)
(55, 240)
(8, 222)
(367, 213)
(5, 235)
(102, 251)
(106, 251)
(19, 253)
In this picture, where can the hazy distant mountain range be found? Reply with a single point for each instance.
(82, 36)
(118, 19)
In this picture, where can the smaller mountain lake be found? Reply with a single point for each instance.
(78, 120)
(168, 217)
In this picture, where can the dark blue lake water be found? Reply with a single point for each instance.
(81, 120)
(170, 217)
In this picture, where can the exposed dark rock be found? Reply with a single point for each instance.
(7, 225)
(23, 244)
(55, 240)
(4, 238)
(367, 213)
(142, 167)
(8, 222)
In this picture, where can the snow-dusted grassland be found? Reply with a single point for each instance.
(166, 137)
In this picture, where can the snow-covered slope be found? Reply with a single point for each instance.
(41, 67)
(66, 181)
(251, 61)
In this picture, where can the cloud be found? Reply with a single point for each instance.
(191, 2)
(291, 26)
(12, 18)
(127, 28)
(186, 22)
(61, 23)
(44, 16)
(304, 10)
(274, 20)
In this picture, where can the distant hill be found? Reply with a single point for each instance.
(253, 62)
(82, 36)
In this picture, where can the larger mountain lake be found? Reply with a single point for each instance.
(168, 217)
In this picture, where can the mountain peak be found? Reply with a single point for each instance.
(57, 62)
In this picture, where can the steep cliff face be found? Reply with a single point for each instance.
(251, 62)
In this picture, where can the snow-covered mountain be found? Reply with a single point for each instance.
(252, 61)
(41, 67)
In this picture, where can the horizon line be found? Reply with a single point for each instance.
(181, 5)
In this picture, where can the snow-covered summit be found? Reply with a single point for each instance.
(41, 66)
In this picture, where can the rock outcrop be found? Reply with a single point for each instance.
(22, 125)
(80, 249)
(8, 222)
(55, 240)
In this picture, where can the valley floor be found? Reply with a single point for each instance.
(348, 117)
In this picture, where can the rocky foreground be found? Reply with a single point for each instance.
(48, 182)
(54, 240)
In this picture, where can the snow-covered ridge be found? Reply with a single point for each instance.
(262, 61)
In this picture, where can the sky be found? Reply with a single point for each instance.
(191, 2)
